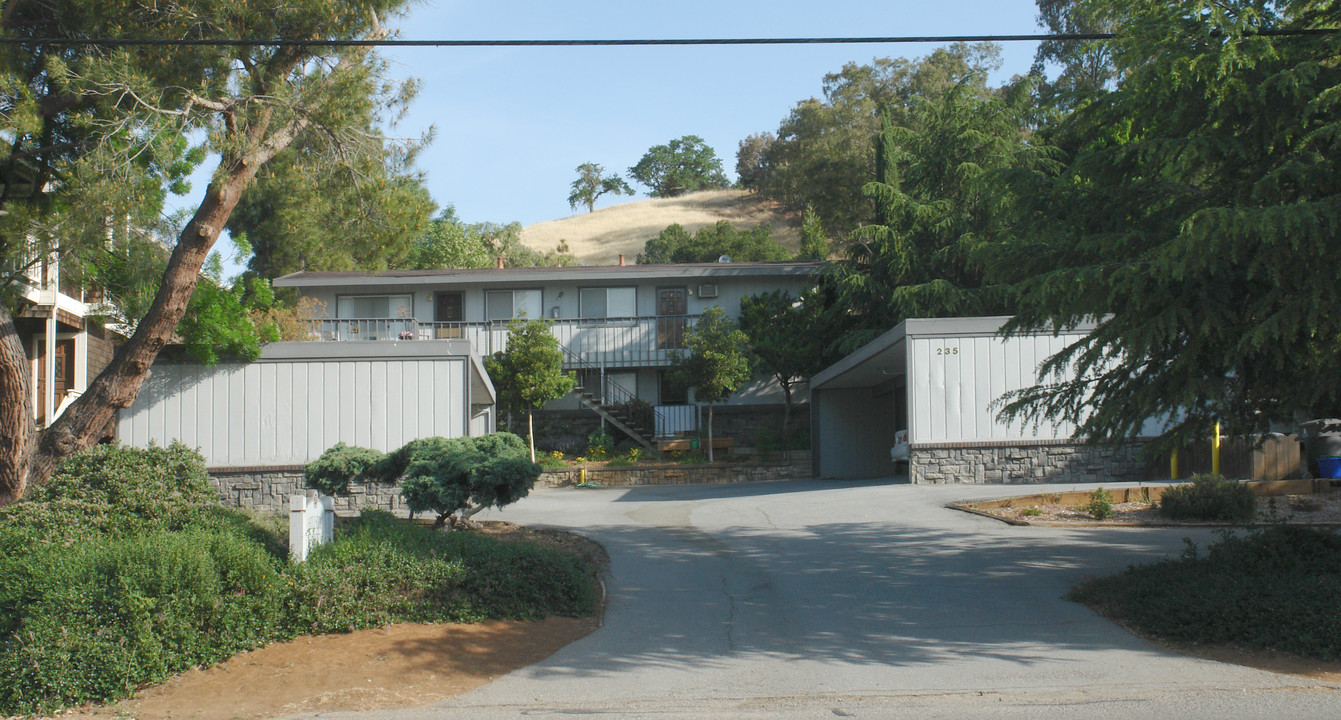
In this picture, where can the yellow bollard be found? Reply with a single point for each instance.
(582, 476)
(1173, 464)
(1215, 451)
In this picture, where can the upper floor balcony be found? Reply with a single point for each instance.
(588, 342)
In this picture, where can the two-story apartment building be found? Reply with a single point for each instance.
(617, 324)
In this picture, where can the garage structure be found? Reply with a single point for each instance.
(300, 398)
(926, 390)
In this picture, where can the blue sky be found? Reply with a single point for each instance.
(512, 124)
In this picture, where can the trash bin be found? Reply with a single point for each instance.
(1321, 439)
(693, 443)
(1329, 467)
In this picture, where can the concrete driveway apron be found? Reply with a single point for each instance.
(823, 599)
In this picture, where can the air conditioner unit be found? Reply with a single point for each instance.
(707, 291)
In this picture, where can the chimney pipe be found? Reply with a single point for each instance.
(500, 262)
(621, 259)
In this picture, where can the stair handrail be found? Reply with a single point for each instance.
(620, 394)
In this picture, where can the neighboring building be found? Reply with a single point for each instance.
(66, 348)
(617, 324)
(923, 394)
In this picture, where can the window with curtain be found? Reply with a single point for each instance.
(508, 304)
(613, 302)
(374, 306)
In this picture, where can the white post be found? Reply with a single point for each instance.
(311, 523)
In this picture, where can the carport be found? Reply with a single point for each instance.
(939, 380)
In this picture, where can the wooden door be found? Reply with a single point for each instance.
(64, 369)
(672, 306)
(448, 307)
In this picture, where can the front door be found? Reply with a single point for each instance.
(64, 369)
(448, 308)
(672, 306)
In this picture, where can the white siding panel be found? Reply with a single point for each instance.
(269, 409)
(362, 392)
(289, 412)
(394, 405)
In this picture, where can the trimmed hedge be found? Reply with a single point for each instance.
(1271, 589)
(1209, 497)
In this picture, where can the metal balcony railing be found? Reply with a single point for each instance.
(602, 342)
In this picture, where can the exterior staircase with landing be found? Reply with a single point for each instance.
(616, 404)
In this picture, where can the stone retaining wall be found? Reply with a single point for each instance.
(797, 467)
(267, 489)
(1022, 464)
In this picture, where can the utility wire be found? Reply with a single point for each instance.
(897, 39)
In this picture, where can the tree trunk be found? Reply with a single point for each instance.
(18, 431)
(82, 422)
(710, 458)
(530, 432)
(786, 410)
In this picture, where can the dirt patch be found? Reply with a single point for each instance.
(1322, 509)
(391, 667)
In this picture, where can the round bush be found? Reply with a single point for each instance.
(1209, 497)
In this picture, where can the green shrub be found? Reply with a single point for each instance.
(1272, 589)
(384, 570)
(340, 465)
(111, 490)
(95, 619)
(159, 580)
(1209, 497)
(1101, 504)
(600, 445)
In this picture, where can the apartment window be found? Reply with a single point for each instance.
(508, 304)
(374, 306)
(607, 302)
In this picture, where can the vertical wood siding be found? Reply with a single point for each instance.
(288, 412)
(953, 382)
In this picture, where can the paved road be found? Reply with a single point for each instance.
(808, 599)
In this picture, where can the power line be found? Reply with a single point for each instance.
(895, 39)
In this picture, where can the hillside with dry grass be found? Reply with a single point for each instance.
(600, 237)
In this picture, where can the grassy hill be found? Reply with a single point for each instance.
(598, 238)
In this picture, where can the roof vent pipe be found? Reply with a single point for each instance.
(621, 259)
(500, 262)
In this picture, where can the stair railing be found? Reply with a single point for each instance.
(620, 395)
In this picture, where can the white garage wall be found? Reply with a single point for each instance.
(954, 378)
(289, 411)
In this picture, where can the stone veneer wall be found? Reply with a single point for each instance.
(267, 489)
(1021, 464)
(797, 467)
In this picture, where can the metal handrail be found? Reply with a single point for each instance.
(621, 395)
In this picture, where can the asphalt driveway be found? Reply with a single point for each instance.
(868, 600)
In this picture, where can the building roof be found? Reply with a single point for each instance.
(874, 362)
(488, 276)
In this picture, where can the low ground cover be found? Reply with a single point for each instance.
(125, 569)
(1269, 589)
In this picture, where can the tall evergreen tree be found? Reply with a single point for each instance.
(1197, 222)
(939, 199)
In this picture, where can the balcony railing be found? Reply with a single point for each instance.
(608, 342)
